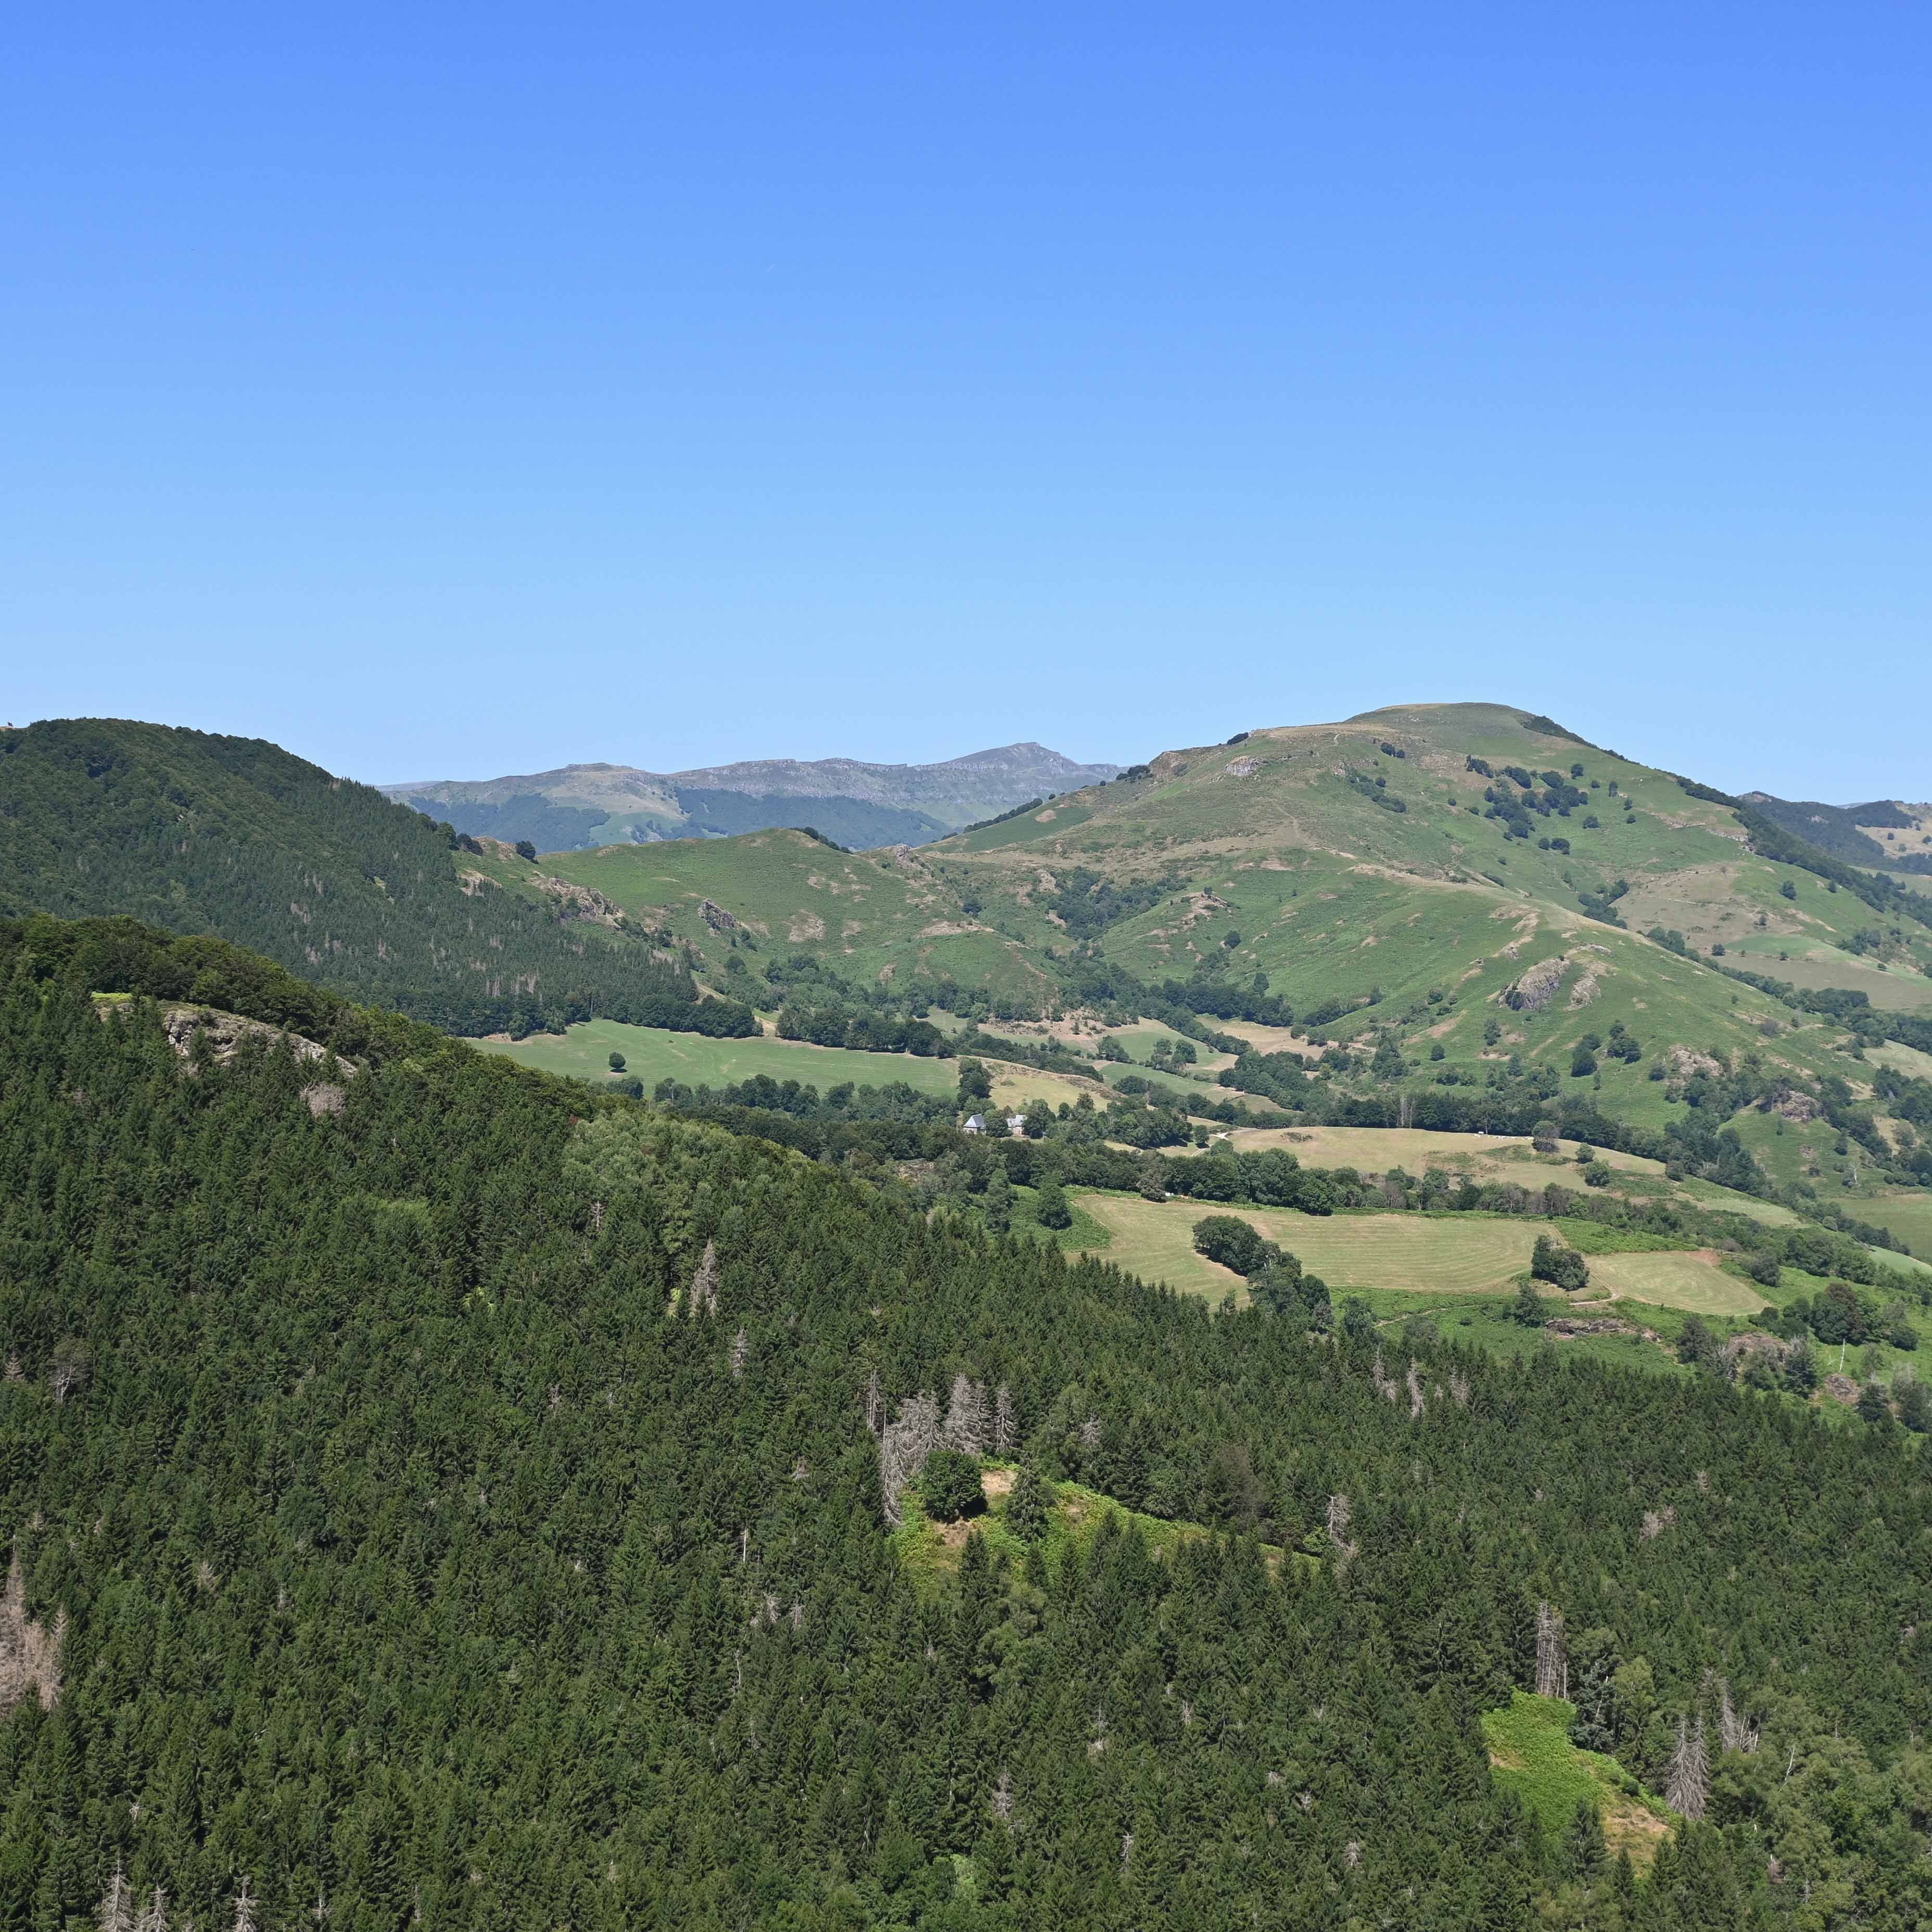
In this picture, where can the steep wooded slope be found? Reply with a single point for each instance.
(450, 1504)
(236, 837)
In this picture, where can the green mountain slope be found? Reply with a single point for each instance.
(455, 1495)
(235, 837)
(881, 916)
(1367, 861)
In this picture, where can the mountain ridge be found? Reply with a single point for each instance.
(867, 804)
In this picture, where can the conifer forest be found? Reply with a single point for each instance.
(439, 1495)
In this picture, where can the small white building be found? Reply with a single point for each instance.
(1016, 1127)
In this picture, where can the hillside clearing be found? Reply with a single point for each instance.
(1531, 1754)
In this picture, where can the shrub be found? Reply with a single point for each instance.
(525, 849)
(950, 1486)
(1552, 1261)
(617, 1062)
(1228, 1240)
(1763, 1267)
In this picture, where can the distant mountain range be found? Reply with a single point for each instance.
(1886, 832)
(859, 805)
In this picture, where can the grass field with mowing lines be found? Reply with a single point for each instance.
(1692, 1282)
(1475, 1255)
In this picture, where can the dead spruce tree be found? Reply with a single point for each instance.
(1341, 1514)
(29, 1652)
(1735, 1732)
(907, 1441)
(1552, 1657)
(1686, 1788)
(1006, 1422)
(704, 1284)
(875, 1403)
(116, 1912)
(966, 1416)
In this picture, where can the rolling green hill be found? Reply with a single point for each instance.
(236, 838)
(1471, 903)
(1456, 916)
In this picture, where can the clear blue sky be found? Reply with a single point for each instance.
(449, 392)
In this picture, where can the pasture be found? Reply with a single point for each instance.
(1451, 1256)
(1483, 1156)
(651, 1055)
(1906, 1212)
(1443, 1256)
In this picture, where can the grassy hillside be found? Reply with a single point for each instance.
(651, 1054)
(875, 916)
(1285, 845)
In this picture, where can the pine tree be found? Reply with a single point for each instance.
(1027, 1507)
(1584, 1853)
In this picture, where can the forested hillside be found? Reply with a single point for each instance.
(440, 1495)
(235, 837)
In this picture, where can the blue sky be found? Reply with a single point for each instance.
(450, 391)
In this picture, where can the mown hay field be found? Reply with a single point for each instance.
(1484, 1156)
(1438, 1255)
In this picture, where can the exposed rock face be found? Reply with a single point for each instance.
(1537, 987)
(574, 901)
(716, 917)
(1687, 1060)
(224, 1033)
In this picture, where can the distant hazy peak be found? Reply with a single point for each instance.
(854, 801)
